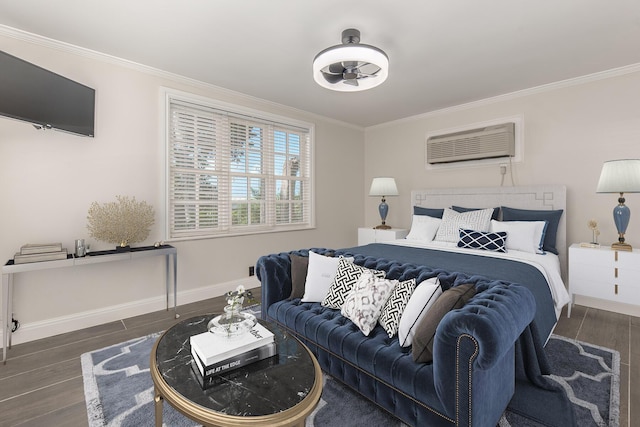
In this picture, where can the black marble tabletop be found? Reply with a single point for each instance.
(262, 388)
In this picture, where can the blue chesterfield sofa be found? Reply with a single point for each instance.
(472, 377)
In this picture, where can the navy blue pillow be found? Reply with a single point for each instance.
(483, 240)
(552, 218)
(494, 215)
(436, 213)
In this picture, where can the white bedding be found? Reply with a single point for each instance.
(548, 264)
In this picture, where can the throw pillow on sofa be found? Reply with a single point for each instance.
(423, 297)
(451, 299)
(364, 302)
(299, 268)
(320, 274)
(395, 306)
(346, 276)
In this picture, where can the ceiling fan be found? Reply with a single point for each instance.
(350, 66)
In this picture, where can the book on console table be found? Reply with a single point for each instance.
(213, 348)
(40, 248)
(243, 359)
(19, 258)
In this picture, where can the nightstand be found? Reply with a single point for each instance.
(605, 276)
(373, 235)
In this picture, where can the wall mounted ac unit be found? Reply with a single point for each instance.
(483, 143)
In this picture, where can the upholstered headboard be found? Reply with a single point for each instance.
(539, 197)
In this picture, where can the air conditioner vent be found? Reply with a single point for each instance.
(483, 143)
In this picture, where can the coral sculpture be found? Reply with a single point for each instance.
(593, 226)
(123, 222)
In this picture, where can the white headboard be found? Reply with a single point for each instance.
(540, 197)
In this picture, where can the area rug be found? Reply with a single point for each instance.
(119, 390)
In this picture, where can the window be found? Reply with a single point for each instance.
(234, 171)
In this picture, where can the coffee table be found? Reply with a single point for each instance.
(280, 392)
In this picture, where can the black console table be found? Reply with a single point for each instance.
(9, 269)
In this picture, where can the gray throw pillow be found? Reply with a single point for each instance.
(451, 299)
(299, 267)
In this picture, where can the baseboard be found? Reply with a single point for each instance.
(73, 322)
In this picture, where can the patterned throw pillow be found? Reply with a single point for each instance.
(395, 305)
(480, 240)
(364, 302)
(346, 276)
(452, 222)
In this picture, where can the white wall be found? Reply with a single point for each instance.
(570, 129)
(48, 179)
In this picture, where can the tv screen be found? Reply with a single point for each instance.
(44, 98)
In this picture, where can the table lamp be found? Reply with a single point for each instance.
(620, 176)
(383, 186)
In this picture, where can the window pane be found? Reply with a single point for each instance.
(239, 214)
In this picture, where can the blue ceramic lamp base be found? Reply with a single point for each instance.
(383, 209)
(621, 216)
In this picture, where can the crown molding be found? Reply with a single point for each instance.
(576, 81)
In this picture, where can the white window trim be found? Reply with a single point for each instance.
(169, 94)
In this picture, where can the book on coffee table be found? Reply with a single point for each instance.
(213, 348)
(247, 358)
(211, 380)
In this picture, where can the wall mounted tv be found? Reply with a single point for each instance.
(43, 98)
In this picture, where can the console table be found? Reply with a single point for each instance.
(9, 269)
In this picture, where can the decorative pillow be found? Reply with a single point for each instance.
(451, 299)
(552, 217)
(346, 276)
(423, 228)
(435, 213)
(395, 305)
(452, 222)
(364, 302)
(525, 236)
(423, 297)
(482, 240)
(495, 215)
(320, 275)
(299, 267)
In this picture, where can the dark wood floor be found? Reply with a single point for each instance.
(41, 384)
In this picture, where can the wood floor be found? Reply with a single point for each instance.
(41, 384)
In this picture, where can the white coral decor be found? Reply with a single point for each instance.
(123, 222)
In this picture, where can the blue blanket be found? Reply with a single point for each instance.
(472, 265)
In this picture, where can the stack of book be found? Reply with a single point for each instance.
(40, 252)
(214, 355)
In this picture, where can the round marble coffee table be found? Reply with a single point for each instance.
(282, 391)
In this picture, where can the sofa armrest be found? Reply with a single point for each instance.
(474, 357)
(274, 273)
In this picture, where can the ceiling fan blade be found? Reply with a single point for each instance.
(352, 82)
(336, 68)
(332, 78)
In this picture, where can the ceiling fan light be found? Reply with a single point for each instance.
(351, 52)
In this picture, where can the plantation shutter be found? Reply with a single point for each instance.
(234, 173)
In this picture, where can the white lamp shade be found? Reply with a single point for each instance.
(620, 176)
(383, 186)
(355, 52)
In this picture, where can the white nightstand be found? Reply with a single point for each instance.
(373, 235)
(605, 276)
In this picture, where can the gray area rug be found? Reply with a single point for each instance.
(119, 390)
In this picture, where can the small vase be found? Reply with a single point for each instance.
(233, 322)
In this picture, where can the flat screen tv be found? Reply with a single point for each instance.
(43, 98)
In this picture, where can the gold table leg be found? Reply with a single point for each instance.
(158, 407)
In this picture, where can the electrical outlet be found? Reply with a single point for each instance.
(252, 270)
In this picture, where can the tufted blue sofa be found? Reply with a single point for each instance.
(472, 377)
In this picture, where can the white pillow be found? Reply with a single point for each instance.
(419, 304)
(424, 228)
(320, 274)
(525, 236)
(452, 222)
(365, 300)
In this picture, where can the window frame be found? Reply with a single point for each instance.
(250, 115)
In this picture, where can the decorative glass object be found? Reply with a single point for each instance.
(233, 322)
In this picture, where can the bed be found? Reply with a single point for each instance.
(541, 271)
